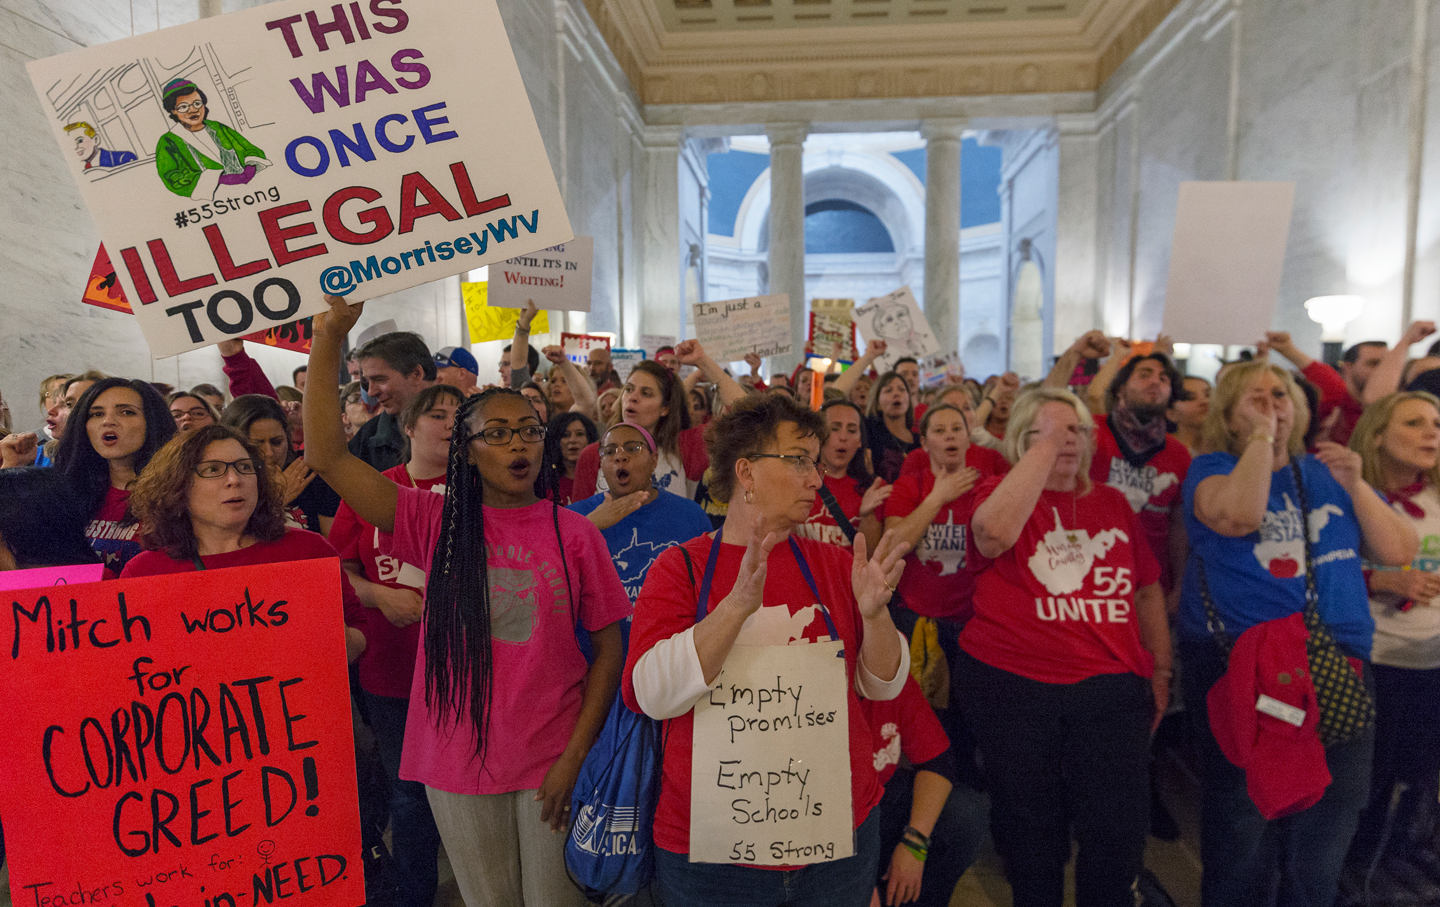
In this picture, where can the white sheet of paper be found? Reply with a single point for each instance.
(770, 762)
(624, 362)
(734, 328)
(653, 342)
(896, 319)
(1226, 259)
(556, 278)
(366, 149)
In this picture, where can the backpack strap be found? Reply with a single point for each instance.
(827, 497)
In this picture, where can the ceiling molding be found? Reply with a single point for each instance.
(782, 61)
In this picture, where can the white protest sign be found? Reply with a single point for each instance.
(733, 329)
(577, 347)
(238, 165)
(896, 319)
(653, 342)
(624, 362)
(1226, 259)
(556, 278)
(770, 762)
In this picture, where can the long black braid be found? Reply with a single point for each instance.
(459, 657)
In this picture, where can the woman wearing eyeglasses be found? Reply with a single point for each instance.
(503, 706)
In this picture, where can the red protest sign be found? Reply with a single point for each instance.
(102, 288)
(293, 336)
(180, 741)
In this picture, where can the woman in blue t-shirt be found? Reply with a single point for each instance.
(1247, 507)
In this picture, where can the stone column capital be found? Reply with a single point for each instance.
(943, 129)
(662, 137)
(787, 133)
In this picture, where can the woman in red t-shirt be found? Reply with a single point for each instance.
(848, 487)
(125, 422)
(763, 593)
(1065, 666)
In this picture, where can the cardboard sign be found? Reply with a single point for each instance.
(732, 329)
(654, 342)
(487, 322)
(1226, 259)
(238, 165)
(770, 767)
(181, 740)
(103, 289)
(555, 278)
(624, 362)
(896, 319)
(293, 336)
(50, 576)
(577, 347)
(832, 329)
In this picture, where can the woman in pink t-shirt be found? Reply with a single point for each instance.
(1065, 666)
(503, 706)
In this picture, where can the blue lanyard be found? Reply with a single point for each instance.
(701, 606)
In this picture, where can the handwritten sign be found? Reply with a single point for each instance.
(654, 342)
(896, 319)
(770, 773)
(732, 329)
(239, 164)
(577, 347)
(181, 740)
(1226, 259)
(832, 329)
(624, 362)
(50, 576)
(555, 278)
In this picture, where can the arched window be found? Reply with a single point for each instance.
(836, 226)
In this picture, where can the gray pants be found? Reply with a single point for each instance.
(502, 854)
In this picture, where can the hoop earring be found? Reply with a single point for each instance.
(749, 496)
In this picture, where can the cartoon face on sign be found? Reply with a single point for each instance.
(198, 155)
(1281, 549)
(1063, 558)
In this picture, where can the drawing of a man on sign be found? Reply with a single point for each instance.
(87, 147)
(896, 318)
(198, 155)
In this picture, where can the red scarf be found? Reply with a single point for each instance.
(1403, 496)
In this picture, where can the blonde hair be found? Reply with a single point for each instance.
(1365, 440)
(1022, 415)
(81, 124)
(1234, 381)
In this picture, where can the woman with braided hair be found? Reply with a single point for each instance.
(503, 707)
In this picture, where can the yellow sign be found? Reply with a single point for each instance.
(487, 323)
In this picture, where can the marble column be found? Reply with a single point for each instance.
(657, 229)
(942, 229)
(787, 230)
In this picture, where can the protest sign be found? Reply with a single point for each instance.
(488, 322)
(50, 576)
(181, 740)
(241, 164)
(896, 319)
(832, 329)
(577, 347)
(624, 362)
(654, 342)
(102, 289)
(555, 278)
(1225, 260)
(770, 765)
(294, 336)
(733, 329)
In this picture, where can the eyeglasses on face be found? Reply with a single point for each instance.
(498, 436)
(214, 469)
(189, 106)
(196, 413)
(630, 447)
(803, 465)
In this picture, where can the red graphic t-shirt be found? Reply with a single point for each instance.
(905, 725)
(1152, 489)
(1059, 606)
(820, 525)
(939, 578)
(388, 664)
(790, 613)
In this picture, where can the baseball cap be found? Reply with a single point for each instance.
(457, 356)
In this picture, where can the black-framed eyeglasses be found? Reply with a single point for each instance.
(499, 435)
(630, 447)
(196, 413)
(801, 463)
(214, 469)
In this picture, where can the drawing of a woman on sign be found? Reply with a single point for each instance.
(198, 155)
(893, 324)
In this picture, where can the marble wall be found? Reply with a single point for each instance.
(589, 119)
(1316, 92)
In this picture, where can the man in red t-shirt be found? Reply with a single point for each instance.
(1343, 390)
(1134, 455)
